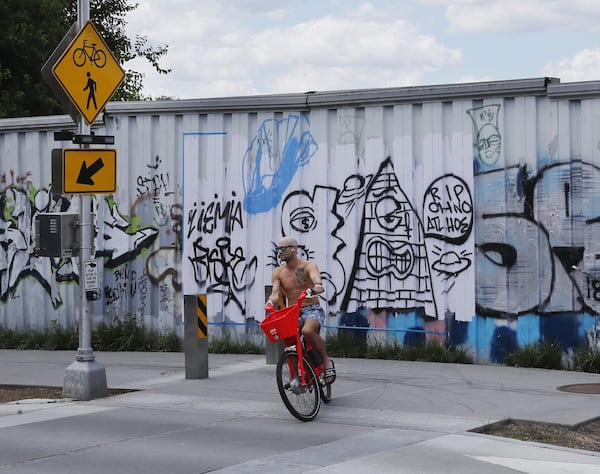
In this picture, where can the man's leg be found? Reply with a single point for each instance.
(310, 331)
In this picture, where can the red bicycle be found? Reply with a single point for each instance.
(300, 370)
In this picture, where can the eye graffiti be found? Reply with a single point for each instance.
(303, 219)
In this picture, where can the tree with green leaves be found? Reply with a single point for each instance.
(32, 29)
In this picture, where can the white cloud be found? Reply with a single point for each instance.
(470, 78)
(304, 77)
(218, 49)
(584, 66)
(343, 41)
(238, 47)
(522, 15)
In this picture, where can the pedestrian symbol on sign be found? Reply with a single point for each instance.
(91, 88)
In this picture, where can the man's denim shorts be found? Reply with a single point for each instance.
(312, 311)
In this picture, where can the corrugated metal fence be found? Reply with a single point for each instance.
(464, 213)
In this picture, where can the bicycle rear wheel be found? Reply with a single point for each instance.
(325, 392)
(302, 401)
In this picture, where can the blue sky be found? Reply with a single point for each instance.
(220, 48)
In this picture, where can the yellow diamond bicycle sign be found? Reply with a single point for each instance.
(88, 72)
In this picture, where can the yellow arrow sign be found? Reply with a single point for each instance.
(88, 72)
(89, 170)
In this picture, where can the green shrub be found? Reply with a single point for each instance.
(389, 351)
(60, 338)
(460, 355)
(123, 335)
(169, 343)
(542, 356)
(433, 351)
(226, 345)
(8, 338)
(343, 345)
(523, 357)
(551, 356)
(127, 335)
(588, 360)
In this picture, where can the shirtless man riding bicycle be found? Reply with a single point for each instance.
(295, 276)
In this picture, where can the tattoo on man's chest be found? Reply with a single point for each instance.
(300, 276)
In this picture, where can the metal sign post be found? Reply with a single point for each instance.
(85, 379)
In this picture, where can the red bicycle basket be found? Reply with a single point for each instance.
(281, 324)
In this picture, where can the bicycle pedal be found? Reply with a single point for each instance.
(295, 386)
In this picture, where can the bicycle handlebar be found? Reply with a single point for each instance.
(308, 293)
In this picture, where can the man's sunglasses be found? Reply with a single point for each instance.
(283, 249)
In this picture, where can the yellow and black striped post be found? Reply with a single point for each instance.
(195, 320)
(202, 317)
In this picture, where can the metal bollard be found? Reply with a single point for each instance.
(195, 336)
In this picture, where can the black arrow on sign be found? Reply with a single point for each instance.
(85, 173)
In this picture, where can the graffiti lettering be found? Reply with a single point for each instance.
(452, 201)
(224, 269)
(593, 288)
(142, 285)
(22, 179)
(164, 297)
(448, 210)
(207, 219)
(156, 183)
(450, 224)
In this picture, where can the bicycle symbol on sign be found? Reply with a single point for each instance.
(96, 56)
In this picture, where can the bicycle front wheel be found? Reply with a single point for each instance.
(302, 401)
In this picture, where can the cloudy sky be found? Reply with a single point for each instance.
(220, 48)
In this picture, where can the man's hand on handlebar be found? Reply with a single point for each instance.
(269, 308)
(311, 292)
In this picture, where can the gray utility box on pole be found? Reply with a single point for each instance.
(56, 235)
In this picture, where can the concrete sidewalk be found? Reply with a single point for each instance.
(385, 416)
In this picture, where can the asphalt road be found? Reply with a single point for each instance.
(386, 416)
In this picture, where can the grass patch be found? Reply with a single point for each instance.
(344, 345)
(227, 345)
(588, 360)
(547, 355)
(124, 335)
(128, 335)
